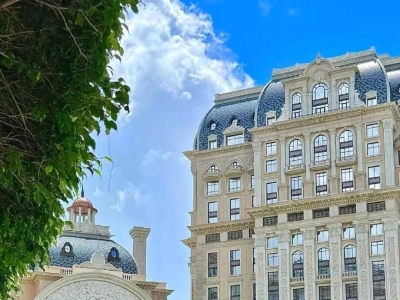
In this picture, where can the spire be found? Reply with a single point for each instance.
(82, 192)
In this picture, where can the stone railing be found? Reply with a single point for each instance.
(66, 271)
(350, 274)
(70, 271)
(323, 277)
(297, 279)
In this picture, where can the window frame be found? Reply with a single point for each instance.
(271, 166)
(298, 264)
(213, 191)
(271, 146)
(346, 144)
(379, 246)
(296, 187)
(212, 295)
(350, 261)
(325, 234)
(352, 233)
(376, 180)
(323, 265)
(295, 152)
(236, 138)
(234, 212)
(350, 175)
(234, 184)
(321, 189)
(213, 270)
(320, 148)
(296, 112)
(236, 269)
(212, 144)
(373, 148)
(371, 127)
(271, 197)
(274, 257)
(212, 212)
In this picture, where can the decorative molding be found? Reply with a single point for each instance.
(219, 150)
(284, 236)
(335, 230)
(233, 129)
(391, 224)
(98, 262)
(222, 227)
(260, 274)
(309, 233)
(310, 272)
(88, 228)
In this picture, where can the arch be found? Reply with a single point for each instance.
(386, 78)
(320, 91)
(319, 61)
(234, 161)
(295, 152)
(112, 287)
(67, 249)
(297, 257)
(212, 166)
(298, 264)
(350, 258)
(323, 261)
(320, 148)
(343, 88)
(296, 105)
(349, 251)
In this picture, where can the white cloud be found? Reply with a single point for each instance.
(292, 12)
(155, 155)
(97, 192)
(131, 194)
(265, 7)
(186, 95)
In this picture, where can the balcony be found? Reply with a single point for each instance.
(234, 169)
(211, 173)
(295, 169)
(323, 277)
(320, 165)
(346, 161)
(349, 275)
(296, 279)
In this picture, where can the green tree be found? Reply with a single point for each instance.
(54, 93)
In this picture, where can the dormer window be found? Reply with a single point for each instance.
(213, 126)
(234, 139)
(113, 255)
(372, 101)
(212, 144)
(270, 121)
(296, 106)
(234, 122)
(320, 99)
(344, 96)
(67, 250)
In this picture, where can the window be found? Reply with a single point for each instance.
(296, 106)
(213, 293)
(297, 239)
(213, 264)
(212, 238)
(320, 148)
(271, 166)
(298, 260)
(324, 292)
(376, 206)
(67, 250)
(377, 248)
(234, 184)
(272, 192)
(270, 121)
(349, 233)
(295, 153)
(113, 255)
(321, 184)
(373, 149)
(212, 187)
(351, 291)
(235, 268)
(378, 280)
(213, 212)
(235, 209)
(322, 236)
(252, 200)
(323, 261)
(296, 188)
(272, 259)
(347, 180)
(273, 286)
(252, 182)
(254, 291)
(234, 122)
(213, 126)
(372, 130)
(376, 229)
(350, 258)
(346, 145)
(298, 294)
(320, 99)
(346, 210)
(321, 213)
(254, 260)
(212, 144)
(234, 139)
(270, 221)
(271, 148)
(235, 292)
(374, 177)
(272, 242)
(344, 96)
(372, 101)
(213, 169)
(235, 235)
(293, 217)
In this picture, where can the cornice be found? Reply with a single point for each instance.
(323, 202)
(222, 227)
(225, 149)
(162, 292)
(190, 243)
(35, 277)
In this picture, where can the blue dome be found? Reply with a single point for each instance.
(394, 82)
(84, 248)
(271, 99)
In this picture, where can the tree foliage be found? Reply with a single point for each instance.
(54, 92)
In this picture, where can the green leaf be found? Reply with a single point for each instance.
(48, 169)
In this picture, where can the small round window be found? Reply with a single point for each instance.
(213, 125)
(113, 254)
(67, 249)
(234, 122)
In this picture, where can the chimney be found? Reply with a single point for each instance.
(139, 236)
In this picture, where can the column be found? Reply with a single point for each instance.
(257, 146)
(352, 91)
(288, 105)
(391, 226)
(360, 172)
(261, 279)
(309, 263)
(304, 102)
(389, 153)
(89, 220)
(139, 236)
(308, 192)
(333, 181)
(80, 215)
(283, 191)
(335, 250)
(284, 264)
(194, 173)
(333, 100)
(363, 264)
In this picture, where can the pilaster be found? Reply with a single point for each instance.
(309, 266)
(257, 146)
(284, 263)
(304, 102)
(389, 152)
(261, 279)
(332, 153)
(335, 234)
(363, 264)
(282, 147)
(359, 149)
(306, 154)
(352, 91)
(287, 104)
(391, 226)
(334, 98)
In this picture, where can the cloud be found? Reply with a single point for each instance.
(132, 194)
(98, 192)
(155, 155)
(292, 12)
(186, 95)
(265, 7)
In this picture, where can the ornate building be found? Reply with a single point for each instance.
(296, 185)
(86, 264)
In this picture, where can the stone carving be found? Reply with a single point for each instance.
(283, 272)
(391, 224)
(283, 256)
(335, 270)
(260, 275)
(310, 272)
(260, 242)
(335, 230)
(363, 276)
(309, 234)
(392, 267)
(92, 290)
(361, 227)
(284, 236)
(98, 262)
(234, 128)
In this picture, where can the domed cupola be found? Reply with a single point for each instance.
(82, 210)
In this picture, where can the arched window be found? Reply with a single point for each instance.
(234, 165)
(320, 148)
(113, 255)
(295, 153)
(213, 169)
(234, 122)
(67, 250)
(296, 106)
(344, 96)
(213, 126)
(323, 261)
(346, 145)
(320, 99)
(298, 264)
(350, 258)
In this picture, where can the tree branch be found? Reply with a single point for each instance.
(6, 3)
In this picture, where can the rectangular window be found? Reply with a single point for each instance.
(347, 177)
(298, 294)
(321, 184)
(271, 166)
(213, 264)
(297, 239)
(376, 206)
(378, 280)
(273, 286)
(321, 213)
(350, 258)
(272, 242)
(372, 101)
(235, 268)
(293, 217)
(372, 130)
(212, 187)
(376, 229)
(213, 293)
(254, 260)
(346, 210)
(324, 292)
(272, 259)
(270, 121)
(272, 192)
(213, 212)
(344, 103)
(271, 148)
(212, 144)
(252, 201)
(349, 233)
(374, 177)
(235, 292)
(296, 188)
(322, 236)
(377, 248)
(351, 291)
(235, 209)
(254, 291)
(234, 139)
(252, 182)
(235, 235)
(234, 184)
(373, 149)
(270, 221)
(213, 238)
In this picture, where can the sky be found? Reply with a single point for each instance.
(178, 55)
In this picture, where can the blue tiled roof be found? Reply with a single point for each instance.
(371, 77)
(222, 115)
(272, 99)
(84, 248)
(394, 81)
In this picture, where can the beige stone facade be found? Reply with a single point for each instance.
(309, 207)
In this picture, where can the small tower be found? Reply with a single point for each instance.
(139, 236)
(82, 211)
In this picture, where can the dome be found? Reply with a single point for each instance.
(83, 203)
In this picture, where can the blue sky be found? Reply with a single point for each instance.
(177, 56)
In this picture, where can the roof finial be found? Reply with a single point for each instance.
(82, 192)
